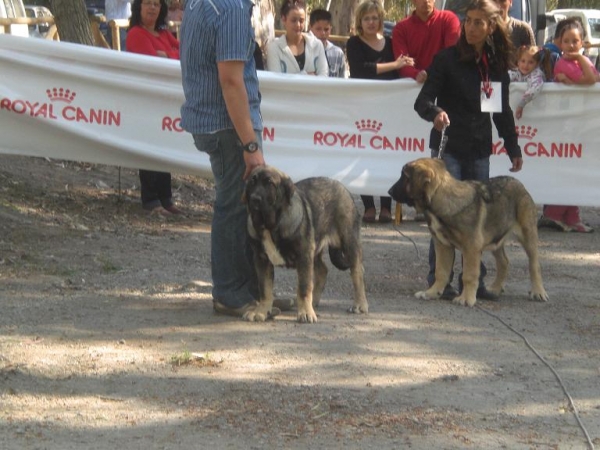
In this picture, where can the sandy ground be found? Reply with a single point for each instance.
(108, 339)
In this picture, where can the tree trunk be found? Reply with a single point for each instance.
(342, 12)
(264, 22)
(72, 21)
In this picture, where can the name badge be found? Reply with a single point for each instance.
(491, 96)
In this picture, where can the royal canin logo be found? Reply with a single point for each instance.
(538, 149)
(54, 109)
(173, 125)
(368, 137)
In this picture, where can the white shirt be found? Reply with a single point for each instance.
(117, 9)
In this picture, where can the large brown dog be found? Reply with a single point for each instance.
(471, 216)
(291, 225)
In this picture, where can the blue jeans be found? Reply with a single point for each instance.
(235, 282)
(479, 170)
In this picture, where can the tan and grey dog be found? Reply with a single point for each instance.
(471, 216)
(291, 225)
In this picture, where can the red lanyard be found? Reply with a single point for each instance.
(486, 85)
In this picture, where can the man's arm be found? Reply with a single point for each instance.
(231, 78)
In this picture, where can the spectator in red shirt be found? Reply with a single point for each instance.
(148, 34)
(421, 35)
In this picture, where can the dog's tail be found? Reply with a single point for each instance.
(339, 258)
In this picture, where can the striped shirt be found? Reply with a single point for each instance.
(213, 31)
(336, 60)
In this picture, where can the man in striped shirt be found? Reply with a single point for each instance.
(222, 112)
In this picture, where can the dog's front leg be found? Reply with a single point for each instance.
(444, 261)
(266, 275)
(470, 277)
(306, 313)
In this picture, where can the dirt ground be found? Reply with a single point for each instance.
(108, 338)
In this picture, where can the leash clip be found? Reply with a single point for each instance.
(443, 142)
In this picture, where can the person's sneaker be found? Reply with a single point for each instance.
(449, 293)
(284, 304)
(547, 222)
(484, 294)
(581, 228)
(220, 308)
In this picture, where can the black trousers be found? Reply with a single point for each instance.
(156, 189)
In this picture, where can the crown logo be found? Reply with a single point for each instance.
(526, 132)
(368, 125)
(60, 95)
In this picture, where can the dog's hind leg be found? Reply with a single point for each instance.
(358, 281)
(528, 237)
(353, 250)
(502, 264)
(320, 278)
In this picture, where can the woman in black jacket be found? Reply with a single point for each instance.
(464, 84)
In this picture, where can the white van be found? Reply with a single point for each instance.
(526, 10)
(11, 9)
(590, 19)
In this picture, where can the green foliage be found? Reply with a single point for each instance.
(579, 4)
(394, 9)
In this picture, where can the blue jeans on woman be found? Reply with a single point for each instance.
(235, 282)
(479, 170)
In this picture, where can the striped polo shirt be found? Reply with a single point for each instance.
(214, 31)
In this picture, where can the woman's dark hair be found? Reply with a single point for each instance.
(498, 47)
(288, 5)
(136, 15)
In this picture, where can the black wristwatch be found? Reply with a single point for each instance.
(251, 147)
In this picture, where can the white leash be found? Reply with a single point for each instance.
(443, 142)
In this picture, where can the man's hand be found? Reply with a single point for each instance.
(517, 164)
(253, 160)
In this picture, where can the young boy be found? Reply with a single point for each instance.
(320, 27)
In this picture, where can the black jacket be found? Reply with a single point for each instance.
(457, 88)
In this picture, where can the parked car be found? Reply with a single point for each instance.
(39, 30)
(95, 6)
(590, 19)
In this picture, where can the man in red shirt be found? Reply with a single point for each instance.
(421, 35)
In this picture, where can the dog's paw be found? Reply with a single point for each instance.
(258, 314)
(539, 296)
(427, 295)
(307, 317)
(359, 309)
(465, 301)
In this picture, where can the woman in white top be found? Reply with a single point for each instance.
(295, 51)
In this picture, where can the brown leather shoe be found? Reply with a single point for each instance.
(369, 216)
(174, 210)
(220, 308)
(385, 216)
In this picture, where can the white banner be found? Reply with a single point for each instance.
(81, 103)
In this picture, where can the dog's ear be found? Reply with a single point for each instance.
(251, 179)
(287, 188)
(429, 184)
